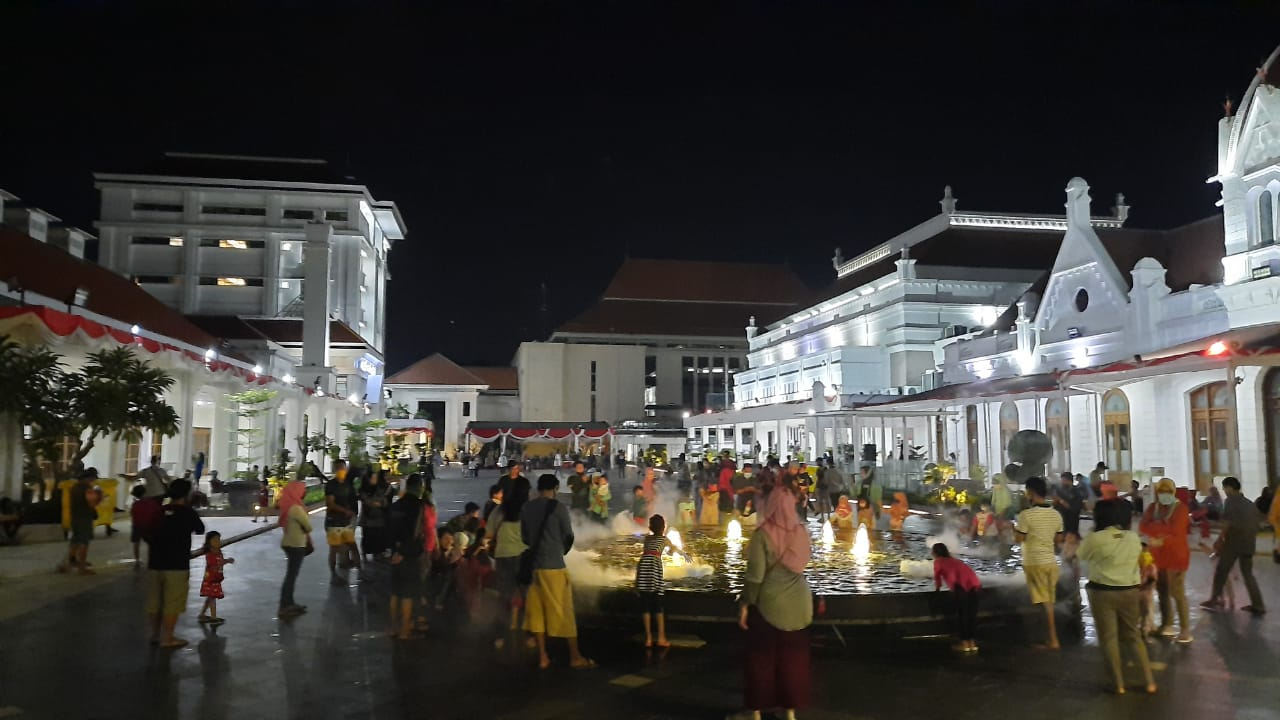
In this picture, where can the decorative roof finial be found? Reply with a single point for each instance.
(1227, 109)
(948, 202)
(838, 259)
(1121, 210)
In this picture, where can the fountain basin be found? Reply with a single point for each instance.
(848, 590)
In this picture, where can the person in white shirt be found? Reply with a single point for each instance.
(156, 479)
(502, 461)
(1039, 529)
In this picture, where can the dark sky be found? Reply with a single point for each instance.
(540, 141)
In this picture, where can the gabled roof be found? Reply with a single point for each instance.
(497, 378)
(703, 281)
(434, 370)
(690, 298)
(29, 264)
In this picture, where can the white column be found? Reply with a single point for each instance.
(186, 400)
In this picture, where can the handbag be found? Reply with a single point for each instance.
(524, 573)
(311, 547)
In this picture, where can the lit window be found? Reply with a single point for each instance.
(233, 244)
(175, 242)
(284, 284)
(286, 246)
(231, 281)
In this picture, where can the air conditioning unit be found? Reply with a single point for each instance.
(951, 331)
(908, 389)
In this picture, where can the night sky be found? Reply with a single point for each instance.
(539, 142)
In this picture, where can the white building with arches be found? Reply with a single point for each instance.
(1157, 367)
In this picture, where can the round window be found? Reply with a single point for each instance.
(1082, 299)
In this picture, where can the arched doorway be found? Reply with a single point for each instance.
(1213, 432)
(1119, 450)
(1009, 421)
(971, 434)
(1271, 417)
(1057, 424)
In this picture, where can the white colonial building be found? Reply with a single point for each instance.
(873, 336)
(248, 247)
(441, 397)
(1154, 352)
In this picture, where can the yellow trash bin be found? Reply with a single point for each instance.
(107, 501)
(65, 488)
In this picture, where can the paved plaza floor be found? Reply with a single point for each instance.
(85, 655)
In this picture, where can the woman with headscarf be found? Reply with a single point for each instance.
(843, 518)
(296, 542)
(776, 609)
(374, 538)
(1112, 554)
(1165, 523)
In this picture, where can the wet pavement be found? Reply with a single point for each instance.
(86, 656)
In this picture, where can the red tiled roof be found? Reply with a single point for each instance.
(497, 378)
(637, 317)
(690, 298)
(699, 281)
(51, 271)
(434, 370)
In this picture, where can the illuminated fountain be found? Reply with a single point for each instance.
(861, 550)
(704, 569)
(734, 531)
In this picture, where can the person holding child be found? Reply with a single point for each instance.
(600, 497)
(649, 582)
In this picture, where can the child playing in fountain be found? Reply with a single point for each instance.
(687, 510)
(600, 497)
(710, 504)
(898, 511)
(639, 505)
(983, 528)
(965, 587)
(843, 518)
(866, 516)
(649, 581)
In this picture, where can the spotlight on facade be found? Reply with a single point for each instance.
(257, 369)
(684, 414)
(353, 399)
(288, 379)
(1217, 348)
(135, 330)
(209, 355)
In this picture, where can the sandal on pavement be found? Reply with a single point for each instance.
(174, 644)
(584, 664)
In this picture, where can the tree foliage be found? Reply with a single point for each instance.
(114, 395)
(357, 441)
(250, 405)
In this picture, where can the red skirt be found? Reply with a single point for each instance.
(777, 666)
(211, 588)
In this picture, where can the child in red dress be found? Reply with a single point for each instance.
(211, 585)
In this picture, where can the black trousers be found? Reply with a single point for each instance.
(966, 612)
(294, 556)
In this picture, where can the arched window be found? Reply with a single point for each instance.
(971, 433)
(1057, 423)
(1271, 414)
(1115, 422)
(1266, 219)
(1213, 430)
(1009, 422)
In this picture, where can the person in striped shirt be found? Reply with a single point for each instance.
(1039, 529)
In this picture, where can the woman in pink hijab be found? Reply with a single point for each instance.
(776, 609)
(296, 543)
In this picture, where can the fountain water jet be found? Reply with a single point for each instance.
(861, 546)
(828, 535)
(734, 531)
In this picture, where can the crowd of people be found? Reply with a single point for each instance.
(501, 567)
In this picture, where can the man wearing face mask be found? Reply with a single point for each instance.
(1165, 524)
(744, 490)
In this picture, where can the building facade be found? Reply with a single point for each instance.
(439, 394)
(250, 247)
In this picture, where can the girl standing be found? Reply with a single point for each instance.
(211, 586)
(965, 587)
(296, 543)
(649, 581)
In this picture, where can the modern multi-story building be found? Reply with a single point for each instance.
(250, 247)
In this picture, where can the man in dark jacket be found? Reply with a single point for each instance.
(408, 542)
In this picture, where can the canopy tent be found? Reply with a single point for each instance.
(534, 431)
